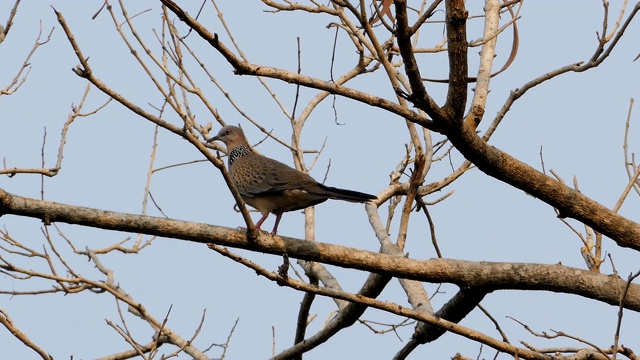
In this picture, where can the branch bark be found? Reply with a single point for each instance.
(489, 276)
(502, 166)
(242, 67)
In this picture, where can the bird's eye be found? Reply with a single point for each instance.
(228, 132)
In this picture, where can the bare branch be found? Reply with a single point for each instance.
(6, 321)
(21, 77)
(383, 305)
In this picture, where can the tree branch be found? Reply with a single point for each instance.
(504, 167)
(489, 276)
(245, 68)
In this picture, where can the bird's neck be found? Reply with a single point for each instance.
(237, 152)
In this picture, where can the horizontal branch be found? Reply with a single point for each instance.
(11, 172)
(489, 276)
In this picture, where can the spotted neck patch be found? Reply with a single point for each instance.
(237, 152)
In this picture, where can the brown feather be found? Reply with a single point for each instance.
(271, 186)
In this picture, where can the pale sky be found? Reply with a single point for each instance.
(577, 119)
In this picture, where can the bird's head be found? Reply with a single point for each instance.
(231, 136)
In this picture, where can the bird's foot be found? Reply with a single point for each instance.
(264, 231)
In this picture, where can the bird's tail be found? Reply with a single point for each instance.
(346, 195)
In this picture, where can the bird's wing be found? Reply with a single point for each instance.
(255, 175)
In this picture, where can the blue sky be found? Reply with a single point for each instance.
(577, 119)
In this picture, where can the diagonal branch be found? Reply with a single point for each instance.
(85, 71)
(502, 166)
(419, 95)
(456, 309)
(365, 301)
(242, 67)
(6, 321)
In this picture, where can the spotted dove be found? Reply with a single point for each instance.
(271, 186)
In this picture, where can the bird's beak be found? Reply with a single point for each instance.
(213, 139)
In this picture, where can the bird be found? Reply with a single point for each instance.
(271, 186)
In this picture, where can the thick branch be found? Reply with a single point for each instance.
(393, 308)
(489, 276)
(346, 317)
(569, 202)
(458, 66)
(502, 166)
(419, 95)
(456, 309)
